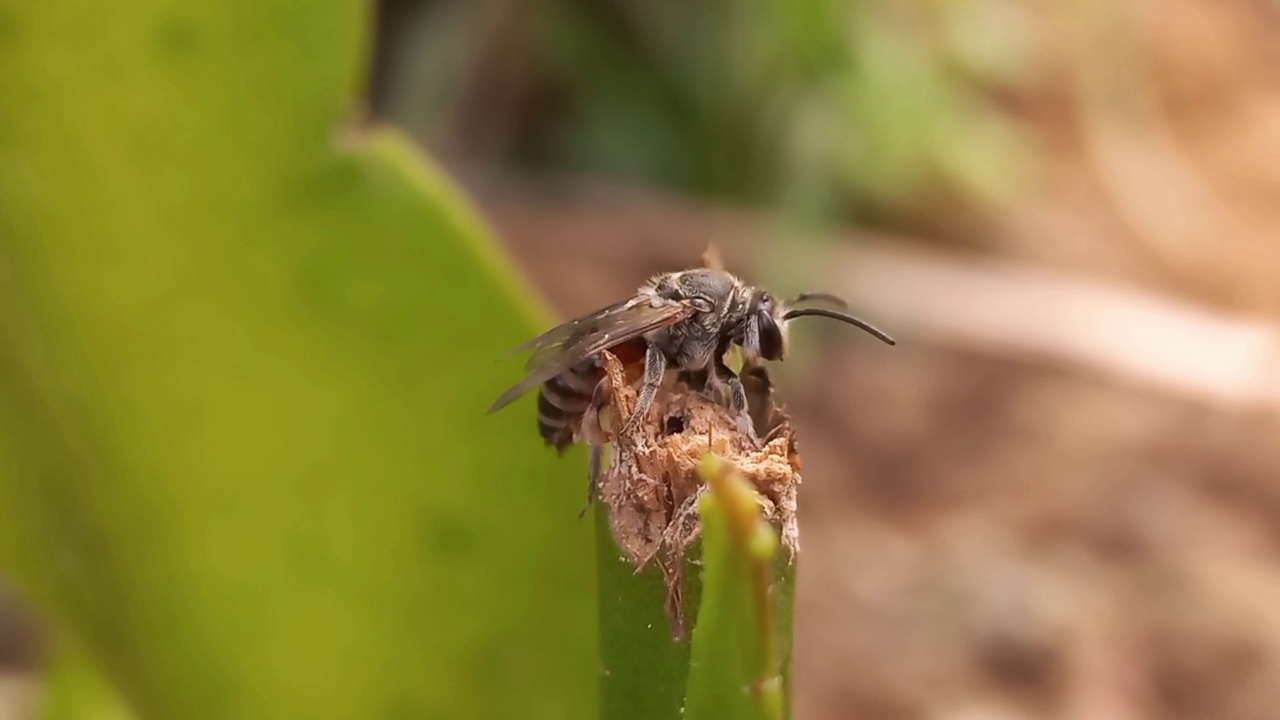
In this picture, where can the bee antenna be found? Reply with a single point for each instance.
(842, 317)
(826, 297)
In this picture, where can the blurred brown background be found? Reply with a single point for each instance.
(1058, 496)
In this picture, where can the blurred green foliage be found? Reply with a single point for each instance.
(816, 102)
(830, 109)
(244, 359)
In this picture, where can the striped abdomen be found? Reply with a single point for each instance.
(563, 399)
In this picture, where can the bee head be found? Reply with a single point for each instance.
(765, 334)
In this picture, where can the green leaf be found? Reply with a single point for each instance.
(77, 690)
(244, 360)
(644, 671)
(737, 667)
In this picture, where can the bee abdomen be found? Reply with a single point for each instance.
(563, 399)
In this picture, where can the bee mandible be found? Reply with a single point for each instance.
(686, 321)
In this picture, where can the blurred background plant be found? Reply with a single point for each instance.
(835, 111)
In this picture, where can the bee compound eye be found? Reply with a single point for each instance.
(770, 339)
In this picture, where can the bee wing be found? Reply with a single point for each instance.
(548, 338)
(568, 344)
(560, 337)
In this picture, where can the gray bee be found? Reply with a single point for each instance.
(685, 321)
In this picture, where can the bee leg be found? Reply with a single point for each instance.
(655, 364)
(738, 403)
(759, 390)
(592, 429)
(596, 436)
(737, 397)
(595, 468)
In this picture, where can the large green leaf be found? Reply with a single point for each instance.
(244, 359)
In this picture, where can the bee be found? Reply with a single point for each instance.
(686, 321)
